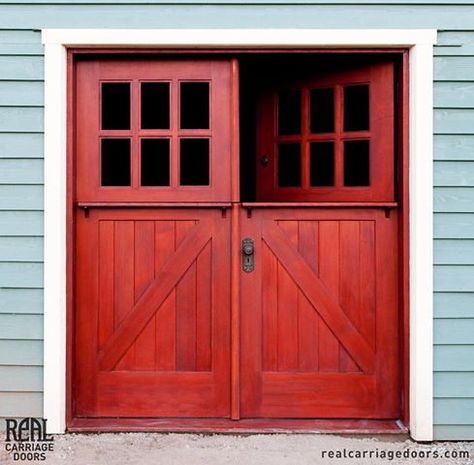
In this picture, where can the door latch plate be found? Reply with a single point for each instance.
(248, 250)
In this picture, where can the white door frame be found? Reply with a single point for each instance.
(420, 43)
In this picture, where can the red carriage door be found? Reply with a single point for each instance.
(319, 310)
(152, 171)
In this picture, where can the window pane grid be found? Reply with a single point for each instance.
(156, 116)
(334, 169)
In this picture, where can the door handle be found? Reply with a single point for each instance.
(248, 250)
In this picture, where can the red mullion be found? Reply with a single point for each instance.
(195, 133)
(174, 134)
(323, 137)
(135, 106)
(115, 133)
(304, 138)
(338, 132)
(355, 135)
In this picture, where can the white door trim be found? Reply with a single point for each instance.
(420, 43)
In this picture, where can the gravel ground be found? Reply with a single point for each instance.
(220, 449)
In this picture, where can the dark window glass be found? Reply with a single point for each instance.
(289, 112)
(116, 105)
(356, 163)
(322, 110)
(155, 105)
(115, 162)
(155, 162)
(194, 162)
(289, 165)
(321, 172)
(356, 108)
(194, 105)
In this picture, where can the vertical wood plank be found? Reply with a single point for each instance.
(329, 274)
(124, 289)
(165, 319)
(87, 304)
(144, 274)
(269, 310)
(186, 309)
(287, 308)
(349, 282)
(106, 281)
(367, 281)
(235, 310)
(308, 319)
(203, 309)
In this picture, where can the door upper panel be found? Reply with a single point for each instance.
(154, 130)
(328, 137)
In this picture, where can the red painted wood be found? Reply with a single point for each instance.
(349, 285)
(334, 363)
(157, 324)
(308, 322)
(379, 76)
(328, 344)
(91, 72)
(169, 269)
(144, 274)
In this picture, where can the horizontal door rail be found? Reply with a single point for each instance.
(320, 204)
(153, 205)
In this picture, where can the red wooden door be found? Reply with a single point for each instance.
(152, 276)
(152, 316)
(328, 138)
(319, 320)
(152, 286)
(319, 317)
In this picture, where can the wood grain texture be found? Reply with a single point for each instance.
(163, 343)
(320, 302)
(379, 77)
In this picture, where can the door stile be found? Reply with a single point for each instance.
(251, 320)
(235, 313)
(235, 247)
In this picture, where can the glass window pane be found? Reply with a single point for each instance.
(155, 162)
(357, 163)
(115, 162)
(321, 110)
(155, 105)
(289, 165)
(194, 105)
(194, 162)
(321, 172)
(356, 108)
(116, 105)
(289, 112)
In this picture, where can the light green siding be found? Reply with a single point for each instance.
(454, 236)
(21, 167)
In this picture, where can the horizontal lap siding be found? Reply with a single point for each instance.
(454, 235)
(21, 166)
(21, 224)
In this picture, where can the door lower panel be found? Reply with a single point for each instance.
(152, 313)
(319, 318)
